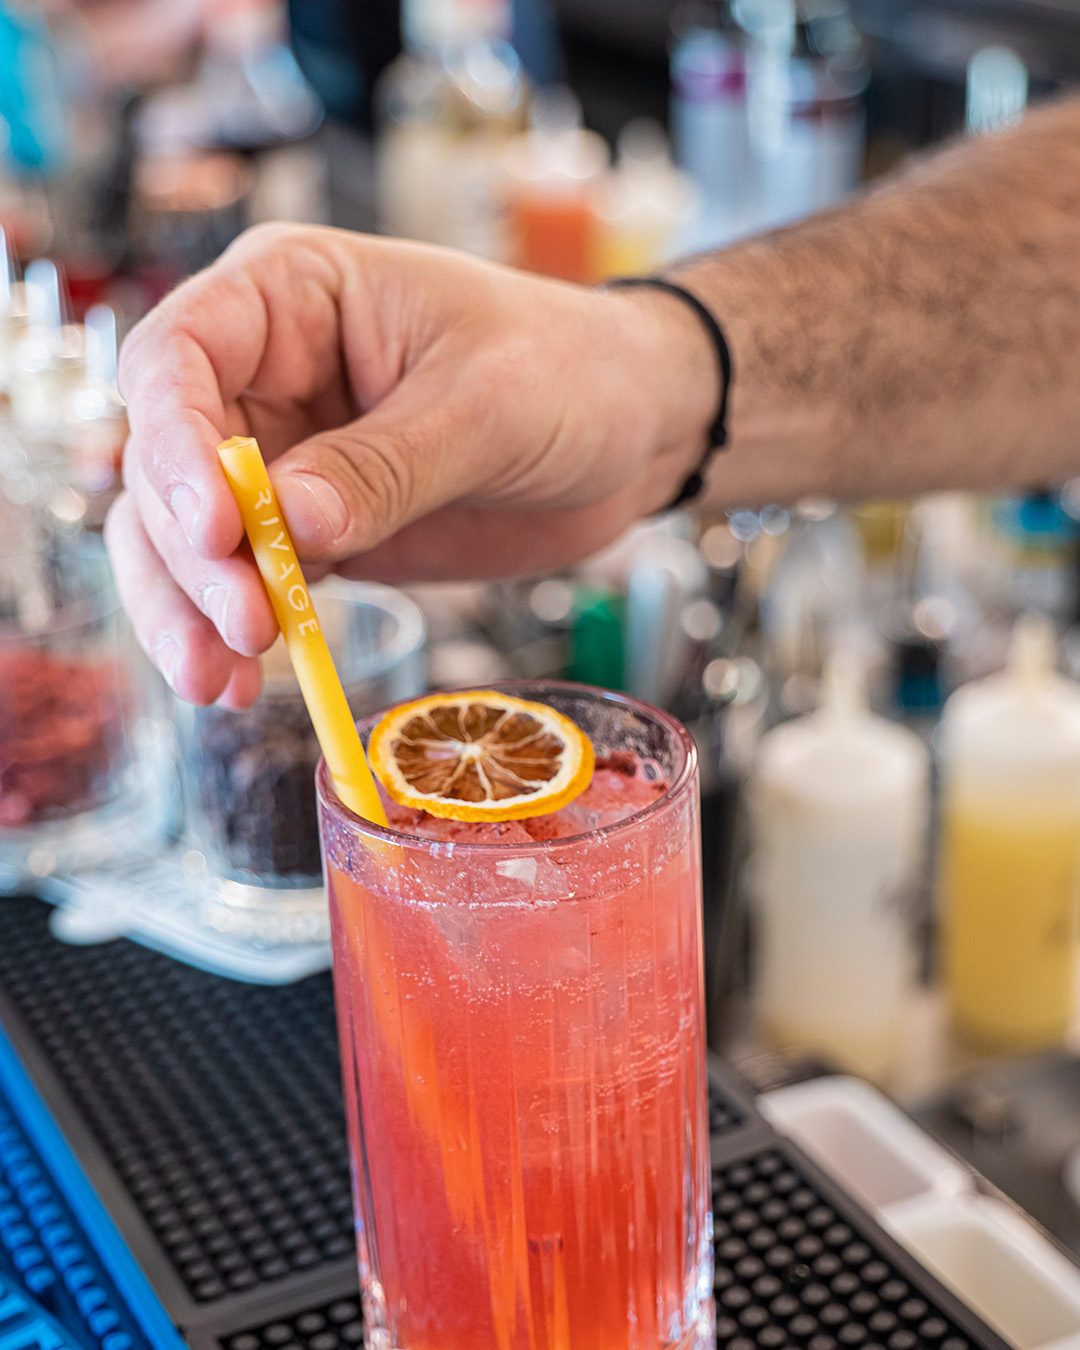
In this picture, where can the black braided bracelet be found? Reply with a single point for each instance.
(718, 433)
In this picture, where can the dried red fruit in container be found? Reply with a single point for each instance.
(61, 734)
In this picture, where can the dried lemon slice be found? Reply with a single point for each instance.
(480, 756)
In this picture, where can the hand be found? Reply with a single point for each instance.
(427, 416)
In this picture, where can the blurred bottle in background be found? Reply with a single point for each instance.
(643, 207)
(95, 426)
(49, 360)
(554, 171)
(447, 108)
(809, 598)
(805, 81)
(1010, 848)
(13, 319)
(63, 433)
(839, 805)
(709, 119)
(767, 111)
(31, 97)
(1037, 541)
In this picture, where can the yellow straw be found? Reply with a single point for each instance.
(291, 599)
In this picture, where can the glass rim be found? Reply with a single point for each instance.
(412, 628)
(407, 641)
(71, 618)
(98, 602)
(332, 802)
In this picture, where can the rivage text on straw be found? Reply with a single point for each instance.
(283, 578)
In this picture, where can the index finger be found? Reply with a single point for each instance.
(177, 403)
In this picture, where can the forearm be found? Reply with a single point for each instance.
(926, 335)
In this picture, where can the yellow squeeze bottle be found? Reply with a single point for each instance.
(1010, 848)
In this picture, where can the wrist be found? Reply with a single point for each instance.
(674, 388)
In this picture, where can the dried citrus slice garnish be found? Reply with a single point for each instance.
(480, 756)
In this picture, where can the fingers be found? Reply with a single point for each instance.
(244, 687)
(230, 592)
(252, 340)
(181, 641)
(177, 420)
(345, 491)
(476, 544)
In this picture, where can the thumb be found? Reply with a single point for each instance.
(346, 490)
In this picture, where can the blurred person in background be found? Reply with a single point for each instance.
(432, 416)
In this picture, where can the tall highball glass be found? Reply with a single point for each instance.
(522, 1034)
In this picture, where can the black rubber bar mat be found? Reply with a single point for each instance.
(799, 1263)
(208, 1114)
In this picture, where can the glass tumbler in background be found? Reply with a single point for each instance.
(85, 771)
(522, 1034)
(248, 776)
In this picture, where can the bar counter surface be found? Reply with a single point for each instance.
(207, 1115)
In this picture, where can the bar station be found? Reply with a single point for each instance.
(539, 675)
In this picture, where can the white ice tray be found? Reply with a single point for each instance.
(998, 1261)
(855, 1133)
(999, 1264)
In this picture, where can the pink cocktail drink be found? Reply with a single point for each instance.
(522, 1030)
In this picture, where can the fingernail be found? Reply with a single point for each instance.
(317, 515)
(165, 652)
(185, 505)
(216, 606)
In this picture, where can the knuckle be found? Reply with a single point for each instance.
(266, 237)
(509, 362)
(377, 472)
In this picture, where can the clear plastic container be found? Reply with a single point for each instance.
(84, 777)
(248, 777)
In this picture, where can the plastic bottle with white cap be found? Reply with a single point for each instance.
(709, 122)
(1010, 847)
(448, 105)
(839, 803)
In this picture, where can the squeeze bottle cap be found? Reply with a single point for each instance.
(1019, 730)
(843, 687)
(997, 89)
(1032, 648)
(842, 757)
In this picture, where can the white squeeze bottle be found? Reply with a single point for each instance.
(1010, 847)
(839, 803)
